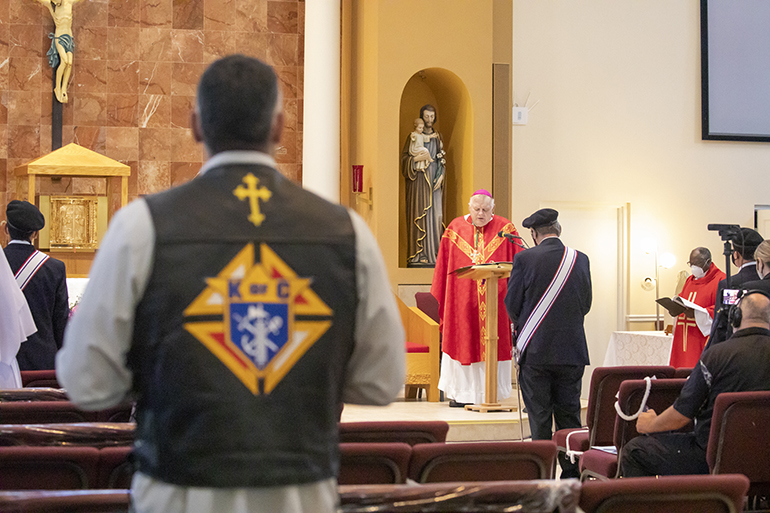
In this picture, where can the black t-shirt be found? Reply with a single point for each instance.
(740, 364)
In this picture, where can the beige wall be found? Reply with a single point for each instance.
(385, 43)
(618, 120)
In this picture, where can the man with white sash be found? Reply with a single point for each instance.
(43, 280)
(549, 294)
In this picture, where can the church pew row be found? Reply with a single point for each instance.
(668, 494)
(50, 412)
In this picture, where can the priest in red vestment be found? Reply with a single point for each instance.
(468, 240)
(693, 327)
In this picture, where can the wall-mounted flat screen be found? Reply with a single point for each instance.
(735, 68)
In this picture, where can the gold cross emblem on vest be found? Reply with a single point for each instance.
(253, 194)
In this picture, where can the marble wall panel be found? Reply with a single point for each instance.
(4, 94)
(123, 76)
(282, 49)
(122, 143)
(188, 14)
(91, 43)
(155, 144)
(185, 77)
(123, 44)
(185, 148)
(286, 151)
(5, 34)
(90, 186)
(122, 109)
(5, 11)
(3, 142)
(88, 76)
(218, 14)
(282, 17)
(153, 176)
(24, 107)
(26, 41)
(24, 74)
(124, 13)
(290, 115)
(28, 13)
(91, 14)
(89, 109)
(183, 172)
(287, 78)
(5, 63)
(155, 44)
(3, 177)
(156, 13)
(253, 45)
(181, 107)
(217, 44)
(187, 45)
(290, 171)
(91, 137)
(23, 141)
(251, 16)
(155, 110)
(155, 78)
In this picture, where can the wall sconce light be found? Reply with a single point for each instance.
(358, 186)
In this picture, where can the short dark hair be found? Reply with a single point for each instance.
(549, 229)
(431, 108)
(236, 101)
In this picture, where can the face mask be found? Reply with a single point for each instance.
(697, 272)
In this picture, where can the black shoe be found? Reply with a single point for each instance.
(455, 404)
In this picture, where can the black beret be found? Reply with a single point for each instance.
(748, 238)
(24, 216)
(542, 217)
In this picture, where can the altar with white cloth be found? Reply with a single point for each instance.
(638, 348)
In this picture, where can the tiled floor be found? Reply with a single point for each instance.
(463, 425)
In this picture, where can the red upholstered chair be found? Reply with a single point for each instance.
(599, 464)
(69, 501)
(39, 378)
(739, 441)
(115, 468)
(600, 416)
(666, 494)
(428, 304)
(409, 432)
(48, 468)
(493, 461)
(422, 351)
(373, 463)
(682, 372)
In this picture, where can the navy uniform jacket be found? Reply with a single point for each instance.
(46, 295)
(720, 331)
(560, 339)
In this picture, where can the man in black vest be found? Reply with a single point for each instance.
(549, 295)
(241, 311)
(44, 282)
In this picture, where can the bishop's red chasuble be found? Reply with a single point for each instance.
(689, 341)
(461, 301)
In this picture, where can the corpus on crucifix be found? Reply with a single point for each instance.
(62, 44)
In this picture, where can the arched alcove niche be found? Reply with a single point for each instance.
(445, 91)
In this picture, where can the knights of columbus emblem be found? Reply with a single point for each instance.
(259, 337)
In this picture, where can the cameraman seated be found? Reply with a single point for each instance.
(741, 365)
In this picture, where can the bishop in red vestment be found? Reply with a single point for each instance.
(468, 240)
(691, 334)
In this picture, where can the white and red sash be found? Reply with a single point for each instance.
(546, 302)
(30, 268)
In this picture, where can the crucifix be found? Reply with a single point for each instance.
(60, 58)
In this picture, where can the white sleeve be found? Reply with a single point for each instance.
(92, 362)
(377, 367)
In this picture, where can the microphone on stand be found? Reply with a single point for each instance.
(513, 239)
